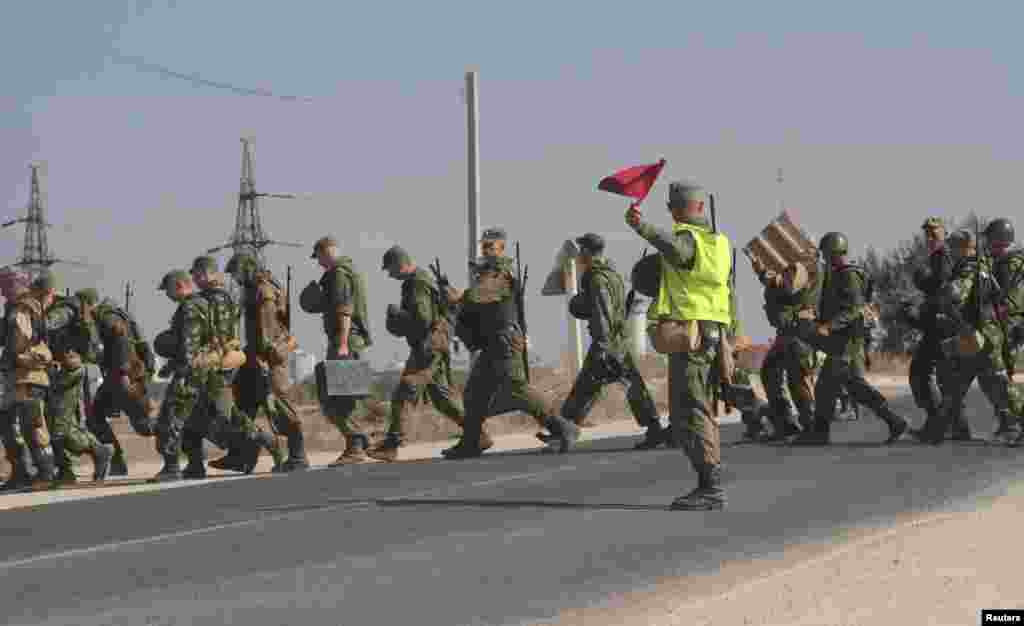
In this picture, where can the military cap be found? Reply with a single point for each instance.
(167, 282)
(204, 264)
(591, 244)
(963, 237)
(494, 234)
(239, 262)
(45, 281)
(88, 295)
(933, 223)
(394, 257)
(681, 191)
(323, 242)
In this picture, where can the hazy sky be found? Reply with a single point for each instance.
(879, 113)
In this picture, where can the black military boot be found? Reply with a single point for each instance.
(297, 460)
(65, 467)
(783, 427)
(118, 464)
(469, 446)
(171, 471)
(233, 461)
(259, 441)
(21, 472)
(898, 425)
(45, 468)
(654, 436)
(196, 467)
(708, 496)
(1009, 428)
(102, 455)
(387, 449)
(818, 435)
(566, 434)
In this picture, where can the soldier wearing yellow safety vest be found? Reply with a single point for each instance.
(688, 321)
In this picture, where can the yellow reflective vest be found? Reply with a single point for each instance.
(702, 291)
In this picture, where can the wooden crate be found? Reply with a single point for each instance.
(782, 242)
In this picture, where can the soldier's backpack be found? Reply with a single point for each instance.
(142, 348)
(646, 275)
(286, 343)
(223, 328)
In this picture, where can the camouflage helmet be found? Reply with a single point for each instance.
(205, 264)
(88, 295)
(394, 258)
(999, 230)
(172, 277)
(311, 298)
(833, 244)
(165, 344)
(243, 262)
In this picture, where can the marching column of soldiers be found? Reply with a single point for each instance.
(971, 317)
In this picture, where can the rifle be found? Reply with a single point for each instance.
(442, 289)
(288, 300)
(520, 295)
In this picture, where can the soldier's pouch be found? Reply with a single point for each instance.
(440, 335)
(416, 377)
(281, 349)
(673, 336)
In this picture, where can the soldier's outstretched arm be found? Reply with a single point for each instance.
(677, 250)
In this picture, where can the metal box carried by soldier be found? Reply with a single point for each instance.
(344, 377)
(781, 243)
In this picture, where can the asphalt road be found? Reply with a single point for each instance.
(507, 539)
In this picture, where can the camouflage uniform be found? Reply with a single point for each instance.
(602, 302)
(263, 382)
(15, 285)
(27, 354)
(987, 366)
(226, 425)
(125, 353)
(420, 320)
(692, 376)
(488, 322)
(182, 397)
(343, 291)
(71, 334)
(930, 280)
(754, 410)
(791, 364)
(839, 333)
(1008, 269)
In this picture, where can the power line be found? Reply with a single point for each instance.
(146, 66)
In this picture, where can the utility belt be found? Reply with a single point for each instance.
(681, 336)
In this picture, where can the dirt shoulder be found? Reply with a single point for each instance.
(934, 569)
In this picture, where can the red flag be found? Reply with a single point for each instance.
(635, 182)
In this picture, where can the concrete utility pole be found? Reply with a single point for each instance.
(473, 161)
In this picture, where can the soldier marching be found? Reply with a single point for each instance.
(970, 313)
